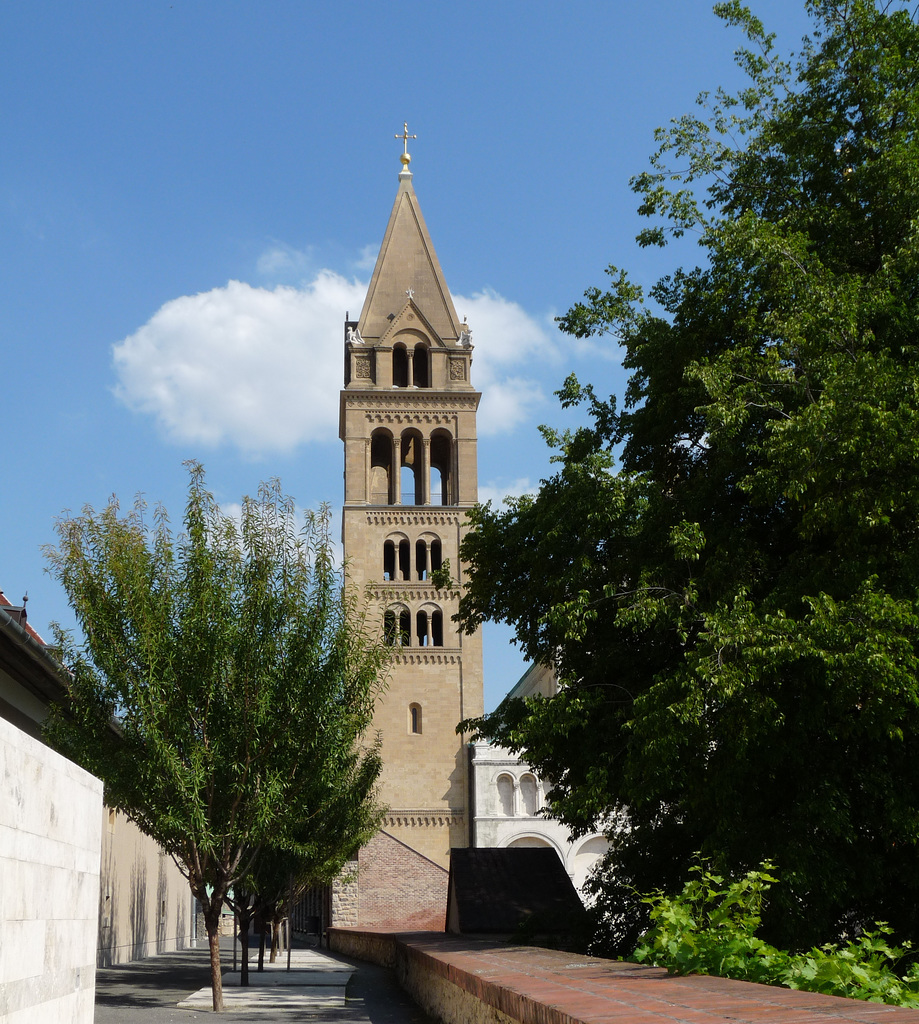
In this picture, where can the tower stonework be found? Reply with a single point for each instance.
(408, 423)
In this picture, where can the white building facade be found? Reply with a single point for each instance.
(509, 798)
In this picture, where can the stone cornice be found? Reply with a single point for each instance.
(416, 590)
(397, 400)
(427, 515)
(446, 656)
(429, 817)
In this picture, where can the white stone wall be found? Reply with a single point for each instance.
(506, 789)
(49, 883)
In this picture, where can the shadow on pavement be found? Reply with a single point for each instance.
(147, 991)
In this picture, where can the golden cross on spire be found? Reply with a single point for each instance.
(405, 158)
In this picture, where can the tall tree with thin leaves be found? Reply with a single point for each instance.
(223, 685)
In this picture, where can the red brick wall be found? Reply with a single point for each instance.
(398, 888)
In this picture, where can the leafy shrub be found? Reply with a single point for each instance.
(710, 928)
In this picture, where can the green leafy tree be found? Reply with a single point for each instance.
(725, 570)
(280, 876)
(223, 685)
(710, 928)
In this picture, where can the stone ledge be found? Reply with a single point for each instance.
(473, 981)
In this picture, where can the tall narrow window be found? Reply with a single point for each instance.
(407, 485)
(421, 369)
(506, 795)
(529, 795)
(399, 366)
(397, 625)
(428, 555)
(389, 560)
(442, 486)
(381, 468)
(405, 568)
(412, 458)
(437, 629)
(414, 719)
(421, 620)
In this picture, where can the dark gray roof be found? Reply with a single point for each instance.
(497, 890)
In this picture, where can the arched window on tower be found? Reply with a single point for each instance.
(421, 366)
(399, 366)
(397, 557)
(397, 626)
(381, 476)
(405, 567)
(412, 458)
(414, 719)
(429, 626)
(428, 557)
(442, 485)
(389, 560)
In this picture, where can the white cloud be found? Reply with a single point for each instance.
(367, 258)
(261, 368)
(496, 493)
(257, 368)
(505, 337)
(504, 334)
(284, 262)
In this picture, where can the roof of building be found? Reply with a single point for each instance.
(538, 680)
(498, 890)
(408, 271)
(26, 665)
(18, 614)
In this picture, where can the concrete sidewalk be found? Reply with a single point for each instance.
(150, 991)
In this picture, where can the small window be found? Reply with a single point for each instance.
(414, 719)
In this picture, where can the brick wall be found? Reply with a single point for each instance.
(399, 888)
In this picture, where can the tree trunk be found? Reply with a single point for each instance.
(261, 948)
(244, 940)
(212, 923)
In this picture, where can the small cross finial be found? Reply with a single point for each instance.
(405, 158)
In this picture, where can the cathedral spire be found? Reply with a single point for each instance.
(408, 263)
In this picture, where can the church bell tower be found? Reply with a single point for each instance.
(408, 422)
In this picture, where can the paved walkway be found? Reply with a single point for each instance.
(150, 991)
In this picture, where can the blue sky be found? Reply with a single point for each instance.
(192, 195)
